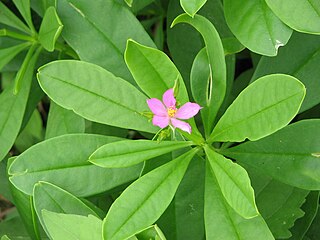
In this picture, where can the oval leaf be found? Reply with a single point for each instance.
(153, 71)
(294, 163)
(256, 26)
(290, 12)
(63, 161)
(95, 94)
(262, 108)
(127, 153)
(234, 183)
(304, 67)
(149, 196)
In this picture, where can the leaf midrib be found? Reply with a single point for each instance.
(252, 115)
(89, 92)
(147, 197)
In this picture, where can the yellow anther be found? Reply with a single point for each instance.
(171, 111)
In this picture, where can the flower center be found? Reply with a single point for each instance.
(171, 111)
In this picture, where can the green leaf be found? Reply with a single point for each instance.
(95, 94)
(72, 227)
(189, 202)
(234, 183)
(63, 161)
(137, 5)
(153, 71)
(52, 198)
(192, 7)
(12, 108)
(62, 121)
(264, 107)
(217, 79)
(5, 237)
(7, 54)
(293, 162)
(304, 67)
(290, 12)
(9, 18)
(83, 24)
(222, 222)
(127, 153)
(149, 196)
(184, 43)
(310, 207)
(24, 8)
(256, 26)
(31, 134)
(24, 204)
(50, 29)
(278, 203)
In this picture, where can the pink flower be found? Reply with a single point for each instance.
(168, 114)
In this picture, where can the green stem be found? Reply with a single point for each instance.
(8, 33)
(23, 69)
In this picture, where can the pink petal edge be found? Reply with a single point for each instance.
(168, 98)
(157, 107)
(188, 110)
(160, 121)
(182, 125)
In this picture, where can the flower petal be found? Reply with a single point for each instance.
(188, 110)
(168, 98)
(182, 125)
(159, 121)
(156, 106)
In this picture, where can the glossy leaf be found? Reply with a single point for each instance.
(153, 71)
(217, 80)
(95, 94)
(55, 162)
(304, 49)
(52, 198)
(73, 227)
(290, 12)
(234, 183)
(279, 203)
(12, 108)
(256, 26)
(222, 222)
(9, 18)
(7, 54)
(127, 153)
(62, 121)
(191, 7)
(149, 196)
(261, 109)
(50, 29)
(83, 24)
(293, 162)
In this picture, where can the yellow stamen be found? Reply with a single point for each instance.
(171, 111)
